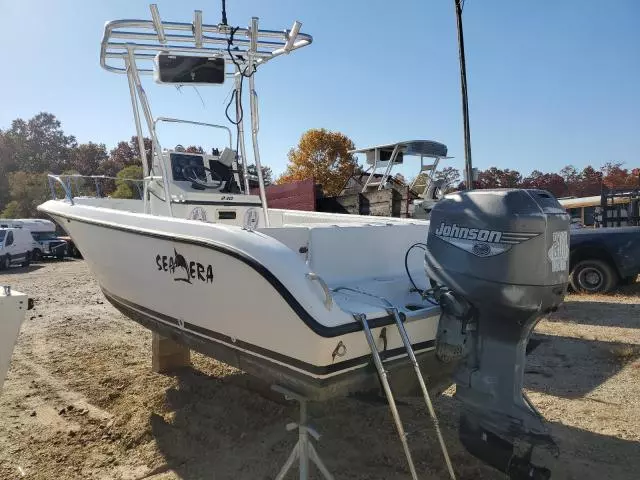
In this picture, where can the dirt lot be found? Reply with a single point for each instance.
(81, 402)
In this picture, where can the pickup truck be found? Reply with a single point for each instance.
(49, 245)
(603, 258)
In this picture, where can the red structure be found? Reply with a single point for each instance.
(306, 195)
(292, 196)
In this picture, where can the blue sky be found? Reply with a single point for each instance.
(550, 83)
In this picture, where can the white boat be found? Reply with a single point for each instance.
(260, 298)
(307, 300)
(13, 308)
(202, 259)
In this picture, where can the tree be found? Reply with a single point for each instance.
(27, 190)
(87, 158)
(109, 167)
(122, 155)
(12, 210)
(571, 178)
(582, 183)
(497, 178)
(125, 188)
(5, 155)
(324, 156)
(128, 153)
(448, 174)
(590, 182)
(39, 144)
(267, 173)
(148, 143)
(551, 182)
(616, 176)
(125, 154)
(451, 177)
(194, 149)
(570, 174)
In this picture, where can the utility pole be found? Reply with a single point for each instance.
(468, 166)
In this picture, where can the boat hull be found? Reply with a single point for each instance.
(13, 308)
(351, 381)
(241, 297)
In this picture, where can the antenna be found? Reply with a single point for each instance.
(468, 166)
(224, 13)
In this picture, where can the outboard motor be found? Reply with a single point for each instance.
(498, 260)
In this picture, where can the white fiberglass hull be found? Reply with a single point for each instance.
(240, 296)
(13, 308)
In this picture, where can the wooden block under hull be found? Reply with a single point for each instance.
(167, 355)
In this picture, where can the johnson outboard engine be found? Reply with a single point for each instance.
(498, 261)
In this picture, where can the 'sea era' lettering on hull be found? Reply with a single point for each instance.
(183, 270)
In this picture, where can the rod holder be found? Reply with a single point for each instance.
(197, 28)
(157, 23)
(253, 46)
(292, 35)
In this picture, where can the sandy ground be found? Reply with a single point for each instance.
(80, 400)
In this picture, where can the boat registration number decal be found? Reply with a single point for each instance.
(559, 252)
(198, 213)
(184, 270)
(251, 219)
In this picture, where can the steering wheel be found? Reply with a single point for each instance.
(190, 172)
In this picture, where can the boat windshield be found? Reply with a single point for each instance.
(39, 236)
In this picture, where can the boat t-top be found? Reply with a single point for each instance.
(319, 305)
(425, 186)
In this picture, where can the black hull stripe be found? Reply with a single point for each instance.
(317, 327)
(125, 306)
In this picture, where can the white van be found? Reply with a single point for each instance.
(16, 247)
(32, 224)
(43, 232)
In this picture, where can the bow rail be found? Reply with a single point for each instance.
(74, 185)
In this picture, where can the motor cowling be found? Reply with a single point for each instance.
(499, 260)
